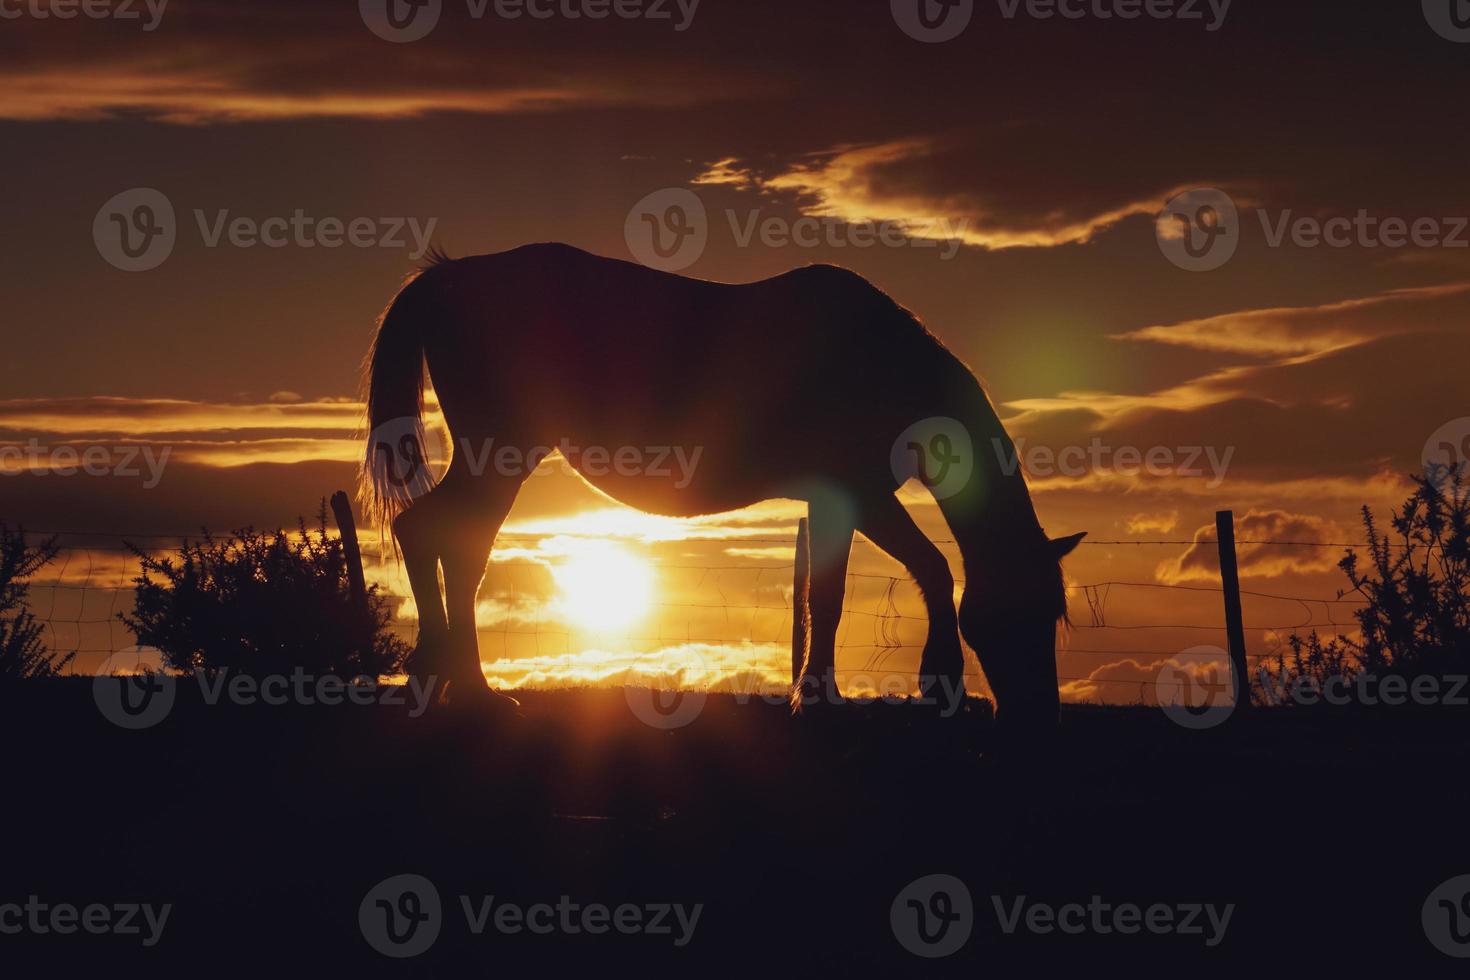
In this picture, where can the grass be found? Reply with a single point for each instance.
(265, 826)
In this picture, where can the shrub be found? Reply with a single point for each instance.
(22, 654)
(263, 604)
(1416, 584)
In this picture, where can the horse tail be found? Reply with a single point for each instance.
(395, 470)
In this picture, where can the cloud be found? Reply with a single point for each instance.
(208, 95)
(1290, 543)
(211, 63)
(1300, 330)
(895, 181)
(1349, 417)
(1153, 523)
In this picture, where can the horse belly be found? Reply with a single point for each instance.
(672, 481)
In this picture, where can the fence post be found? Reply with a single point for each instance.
(801, 590)
(356, 580)
(1234, 621)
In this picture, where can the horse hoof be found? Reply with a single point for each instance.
(473, 694)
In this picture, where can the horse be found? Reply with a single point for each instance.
(803, 387)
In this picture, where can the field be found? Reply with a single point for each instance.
(265, 827)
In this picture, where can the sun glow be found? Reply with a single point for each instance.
(603, 587)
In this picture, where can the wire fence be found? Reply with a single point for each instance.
(80, 598)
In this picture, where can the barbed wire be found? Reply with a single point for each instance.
(105, 588)
(736, 540)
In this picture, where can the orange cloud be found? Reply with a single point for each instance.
(852, 183)
(1296, 331)
(1292, 543)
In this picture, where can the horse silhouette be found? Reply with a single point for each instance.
(794, 387)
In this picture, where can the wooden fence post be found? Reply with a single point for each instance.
(1234, 621)
(801, 590)
(356, 580)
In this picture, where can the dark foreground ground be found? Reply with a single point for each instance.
(265, 828)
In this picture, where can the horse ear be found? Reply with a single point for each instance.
(1062, 547)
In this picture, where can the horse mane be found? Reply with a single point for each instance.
(436, 256)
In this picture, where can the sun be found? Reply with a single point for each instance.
(603, 587)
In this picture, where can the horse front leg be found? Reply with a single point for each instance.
(883, 520)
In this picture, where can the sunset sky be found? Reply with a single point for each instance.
(1298, 382)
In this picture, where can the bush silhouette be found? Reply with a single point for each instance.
(1416, 583)
(263, 604)
(22, 654)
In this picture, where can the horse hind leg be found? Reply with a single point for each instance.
(419, 533)
(482, 506)
(831, 526)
